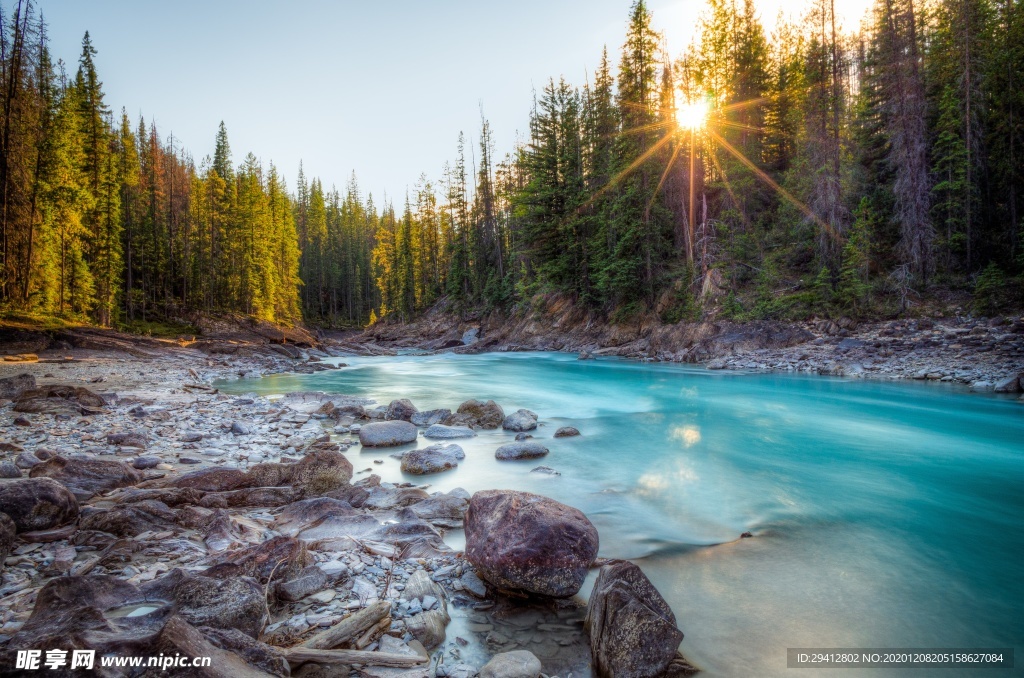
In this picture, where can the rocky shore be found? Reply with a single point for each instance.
(986, 354)
(144, 513)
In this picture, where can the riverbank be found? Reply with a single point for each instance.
(986, 354)
(159, 477)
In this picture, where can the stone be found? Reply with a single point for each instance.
(229, 603)
(8, 531)
(145, 463)
(1008, 385)
(474, 584)
(545, 470)
(277, 559)
(37, 503)
(520, 450)
(400, 410)
(22, 421)
(211, 479)
(239, 428)
(55, 400)
(311, 580)
(191, 437)
(515, 664)
(87, 477)
(520, 420)
(13, 387)
(632, 630)
(443, 510)
(528, 544)
(129, 520)
(474, 413)
(982, 387)
(9, 469)
(318, 472)
(428, 626)
(387, 433)
(442, 432)
(433, 459)
(128, 439)
(430, 417)
(523, 436)
(716, 364)
(567, 432)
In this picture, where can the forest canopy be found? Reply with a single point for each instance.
(805, 172)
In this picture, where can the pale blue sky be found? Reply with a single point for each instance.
(379, 87)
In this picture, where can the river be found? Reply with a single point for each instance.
(884, 514)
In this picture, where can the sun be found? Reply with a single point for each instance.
(692, 115)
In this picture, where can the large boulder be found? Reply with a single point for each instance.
(319, 471)
(87, 477)
(528, 544)
(632, 630)
(442, 432)
(70, 400)
(433, 459)
(229, 603)
(520, 450)
(477, 414)
(400, 410)
(37, 503)
(1008, 385)
(387, 433)
(211, 479)
(519, 421)
(515, 664)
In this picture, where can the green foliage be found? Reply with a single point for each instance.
(990, 290)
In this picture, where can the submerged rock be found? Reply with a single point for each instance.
(515, 664)
(520, 450)
(442, 432)
(387, 434)
(430, 417)
(520, 420)
(433, 459)
(524, 543)
(567, 432)
(632, 629)
(37, 503)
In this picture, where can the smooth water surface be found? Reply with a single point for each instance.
(884, 514)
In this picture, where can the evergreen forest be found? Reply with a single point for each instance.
(806, 172)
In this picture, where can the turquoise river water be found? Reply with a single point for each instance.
(884, 514)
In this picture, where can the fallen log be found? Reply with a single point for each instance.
(301, 655)
(350, 629)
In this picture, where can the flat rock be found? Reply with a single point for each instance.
(387, 433)
(525, 543)
(519, 421)
(310, 580)
(515, 664)
(442, 432)
(520, 450)
(430, 417)
(432, 459)
(37, 503)
(87, 477)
